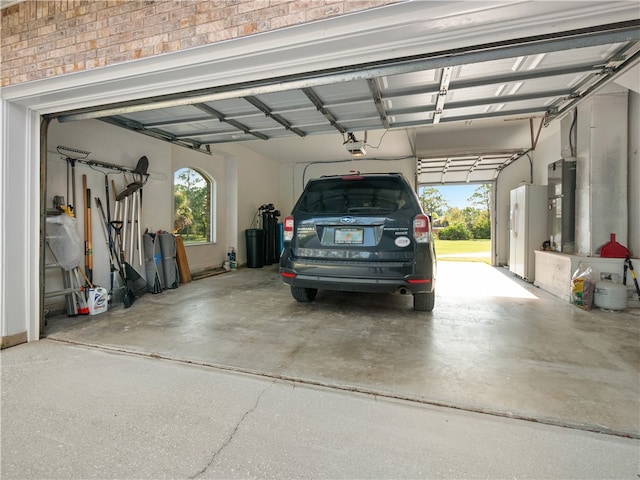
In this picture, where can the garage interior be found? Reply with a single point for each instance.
(490, 106)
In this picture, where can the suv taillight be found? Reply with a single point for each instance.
(288, 228)
(421, 228)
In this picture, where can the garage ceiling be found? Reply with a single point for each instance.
(537, 77)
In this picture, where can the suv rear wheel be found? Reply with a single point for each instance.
(424, 302)
(302, 294)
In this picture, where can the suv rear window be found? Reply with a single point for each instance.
(355, 195)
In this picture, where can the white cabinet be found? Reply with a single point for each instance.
(527, 228)
(553, 273)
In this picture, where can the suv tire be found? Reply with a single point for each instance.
(424, 302)
(305, 295)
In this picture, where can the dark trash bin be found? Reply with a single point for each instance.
(255, 247)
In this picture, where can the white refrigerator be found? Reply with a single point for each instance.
(527, 228)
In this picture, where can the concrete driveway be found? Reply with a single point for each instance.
(74, 412)
(493, 344)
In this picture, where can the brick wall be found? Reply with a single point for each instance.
(45, 38)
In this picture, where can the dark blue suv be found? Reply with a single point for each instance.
(359, 233)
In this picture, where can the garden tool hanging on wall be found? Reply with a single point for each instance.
(128, 220)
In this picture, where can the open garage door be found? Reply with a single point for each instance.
(470, 168)
(540, 77)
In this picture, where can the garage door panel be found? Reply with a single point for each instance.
(261, 123)
(356, 111)
(410, 102)
(425, 116)
(280, 102)
(343, 93)
(235, 107)
(166, 116)
(360, 124)
(404, 81)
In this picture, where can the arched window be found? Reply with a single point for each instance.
(193, 209)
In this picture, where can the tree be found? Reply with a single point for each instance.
(481, 226)
(481, 197)
(454, 215)
(469, 215)
(433, 202)
(198, 202)
(464, 224)
(182, 215)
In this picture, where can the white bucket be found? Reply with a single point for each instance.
(98, 301)
(610, 296)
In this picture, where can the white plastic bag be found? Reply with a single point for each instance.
(64, 241)
(582, 287)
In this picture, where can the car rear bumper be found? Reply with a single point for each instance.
(375, 277)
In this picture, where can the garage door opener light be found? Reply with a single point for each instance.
(354, 146)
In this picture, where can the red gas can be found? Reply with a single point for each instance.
(613, 249)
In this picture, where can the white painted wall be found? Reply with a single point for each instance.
(258, 181)
(293, 177)
(601, 171)
(20, 224)
(476, 136)
(547, 151)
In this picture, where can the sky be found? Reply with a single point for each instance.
(456, 195)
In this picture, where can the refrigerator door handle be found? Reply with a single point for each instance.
(514, 218)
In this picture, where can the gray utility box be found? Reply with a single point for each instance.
(561, 220)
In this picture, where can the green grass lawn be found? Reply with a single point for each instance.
(448, 249)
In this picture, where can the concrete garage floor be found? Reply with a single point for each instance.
(493, 344)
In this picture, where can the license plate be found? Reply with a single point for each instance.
(351, 236)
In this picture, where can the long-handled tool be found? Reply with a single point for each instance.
(138, 222)
(125, 234)
(88, 247)
(628, 264)
(132, 231)
(72, 156)
(114, 259)
(140, 176)
(111, 227)
(72, 161)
